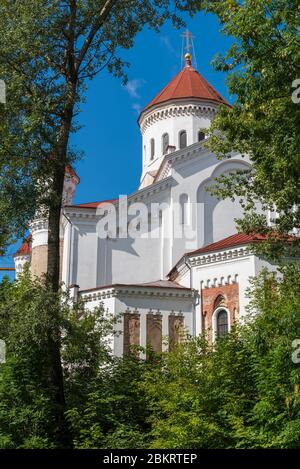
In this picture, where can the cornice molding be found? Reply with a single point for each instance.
(172, 110)
(219, 281)
(143, 194)
(220, 256)
(38, 224)
(22, 258)
(217, 257)
(188, 153)
(137, 292)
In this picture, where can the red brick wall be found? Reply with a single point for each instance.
(131, 331)
(211, 297)
(154, 332)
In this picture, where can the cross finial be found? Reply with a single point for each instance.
(188, 38)
(187, 35)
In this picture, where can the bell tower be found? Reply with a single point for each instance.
(38, 253)
(177, 117)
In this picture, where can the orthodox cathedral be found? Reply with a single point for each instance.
(168, 257)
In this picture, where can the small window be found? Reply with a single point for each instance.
(165, 143)
(201, 136)
(222, 324)
(203, 314)
(182, 139)
(184, 201)
(152, 149)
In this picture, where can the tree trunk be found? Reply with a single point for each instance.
(54, 226)
(55, 205)
(62, 434)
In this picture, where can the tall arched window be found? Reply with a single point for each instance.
(152, 148)
(201, 136)
(222, 323)
(165, 143)
(184, 209)
(182, 139)
(203, 315)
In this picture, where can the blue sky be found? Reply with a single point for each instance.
(109, 137)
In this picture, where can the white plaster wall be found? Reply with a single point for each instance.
(66, 253)
(20, 262)
(172, 125)
(261, 264)
(109, 305)
(211, 219)
(98, 262)
(84, 255)
(242, 269)
(39, 237)
(238, 269)
(165, 306)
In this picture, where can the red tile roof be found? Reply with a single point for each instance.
(94, 204)
(238, 239)
(163, 284)
(156, 284)
(25, 248)
(234, 240)
(188, 84)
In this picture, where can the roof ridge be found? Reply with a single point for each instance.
(188, 83)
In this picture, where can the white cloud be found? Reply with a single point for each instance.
(132, 87)
(167, 43)
(137, 107)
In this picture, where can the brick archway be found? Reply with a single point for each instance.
(215, 297)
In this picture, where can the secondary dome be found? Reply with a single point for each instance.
(188, 83)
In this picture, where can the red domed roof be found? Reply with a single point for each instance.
(188, 84)
(25, 248)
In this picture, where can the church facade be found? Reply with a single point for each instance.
(168, 257)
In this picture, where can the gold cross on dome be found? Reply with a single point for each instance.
(188, 37)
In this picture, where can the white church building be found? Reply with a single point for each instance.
(167, 257)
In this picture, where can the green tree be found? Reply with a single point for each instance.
(48, 52)
(30, 317)
(242, 393)
(114, 413)
(262, 64)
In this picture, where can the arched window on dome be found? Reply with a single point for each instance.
(165, 143)
(152, 148)
(182, 139)
(222, 324)
(201, 136)
(184, 209)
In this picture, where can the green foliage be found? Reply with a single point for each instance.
(48, 52)
(262, 64)
(243, 393)
(31, 318)
(114, 414)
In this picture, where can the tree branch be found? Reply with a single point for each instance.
(104, 13)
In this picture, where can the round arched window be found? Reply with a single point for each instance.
(182, 139)
(201, 136)
(165, 143)
(222, 323)
(152, 148)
